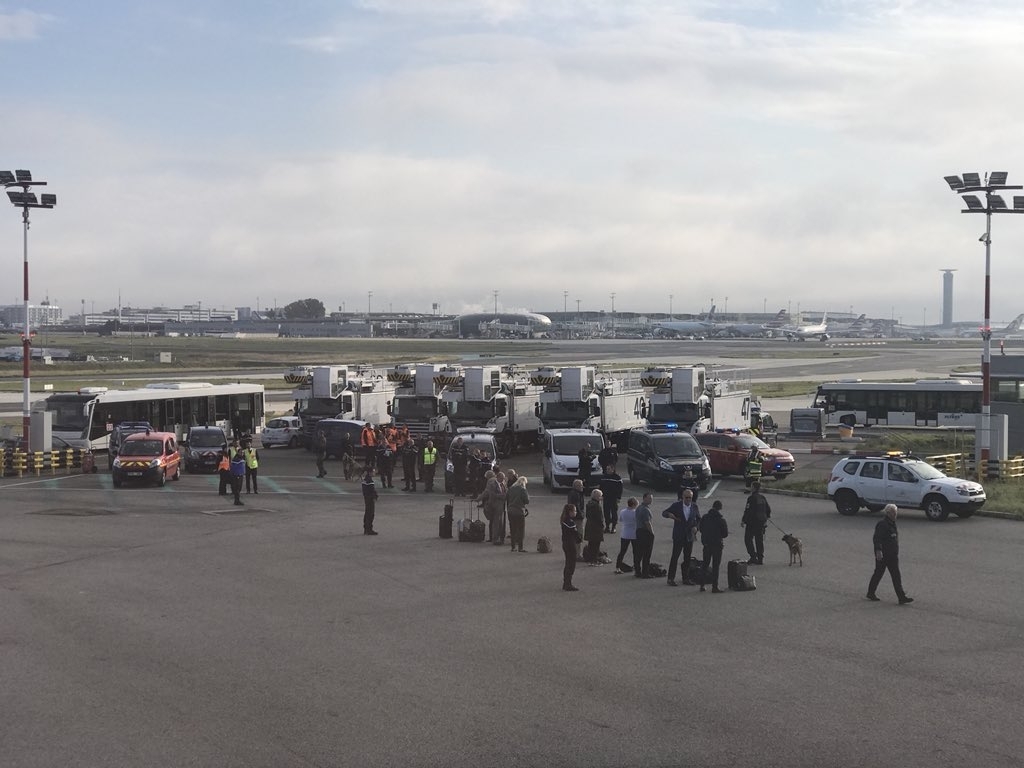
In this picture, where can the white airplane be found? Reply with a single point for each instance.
(750, 329)
(696, 328)
(961, 331)
(805, 332)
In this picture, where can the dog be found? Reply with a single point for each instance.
(796, 549)
(348, 466)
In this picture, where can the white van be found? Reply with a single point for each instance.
(561, 459)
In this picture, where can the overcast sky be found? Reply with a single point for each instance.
(778, 153)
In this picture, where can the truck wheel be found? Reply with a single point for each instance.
(936, 508)
(847, 503)
(631, 471)
(545, 479)
(506, 444)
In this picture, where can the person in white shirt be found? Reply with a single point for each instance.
(627, 521)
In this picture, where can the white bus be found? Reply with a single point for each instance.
(925, 403)
(91, 412)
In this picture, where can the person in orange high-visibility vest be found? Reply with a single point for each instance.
(224, 470)
(368, 441)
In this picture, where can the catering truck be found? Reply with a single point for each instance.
(342, 392)
(690, 400)
(608, 402)
(489, 399)
(416, 402)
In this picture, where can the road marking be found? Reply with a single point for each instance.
(714, 487)
(50, 481)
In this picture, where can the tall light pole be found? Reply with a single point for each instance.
(994, 182)
(565, 304)
(369, 325)
(26, 199)
(613, 314)
(495, 303)
(670, 297)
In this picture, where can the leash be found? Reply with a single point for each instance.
(777, 526)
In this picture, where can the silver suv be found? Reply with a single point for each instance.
(874, 481)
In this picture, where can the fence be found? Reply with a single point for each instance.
(17, 463)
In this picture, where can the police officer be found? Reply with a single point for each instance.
(887, 555)
(320, 446)
(428, 462)
(459, 456)
(755, 520)
(369, 503)
(410, 453)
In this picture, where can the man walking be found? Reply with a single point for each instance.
(237, 474)
(687, 521)
(887, 555)
(429, 464)
(755, 520)
(369, 503)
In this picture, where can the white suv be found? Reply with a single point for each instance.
(284, 430)
(874, 481)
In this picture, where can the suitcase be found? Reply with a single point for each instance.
(472, 530)
(736, 570)
(444, 522)
(696, 572)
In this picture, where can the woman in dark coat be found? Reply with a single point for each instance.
(570, 537)
(593, 531)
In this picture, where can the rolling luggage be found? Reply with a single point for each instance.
(736, 570)
(474, 530)
(444, 522)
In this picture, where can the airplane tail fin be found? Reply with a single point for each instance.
(711, 313)
(1015, 324)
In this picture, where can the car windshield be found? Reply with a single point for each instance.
(571, 444)
(749, 441)
(925, 471)
(677, 446)
(206, 439)
(143, 448)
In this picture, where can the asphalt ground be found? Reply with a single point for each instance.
(167, 627)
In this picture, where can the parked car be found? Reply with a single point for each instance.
(727, 452)
(474, 441)
(336, 431)
(874, 481)
(120, 432)
(666, 458)
(284, 430)
(203, 446)
(147, 457)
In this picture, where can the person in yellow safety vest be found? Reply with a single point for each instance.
(752, 472)
(428, 460)
(252, 461)
(233, 448)
(224, 470)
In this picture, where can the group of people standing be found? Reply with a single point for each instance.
(239, 461)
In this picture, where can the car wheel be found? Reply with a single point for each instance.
(631, 471)
(847, 503)
(936, 508)
(177, 473)
(965, 513)
(162, 480)
(293, 442)
(117, 483)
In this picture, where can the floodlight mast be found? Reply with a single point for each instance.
(994, 203)
(25, 200)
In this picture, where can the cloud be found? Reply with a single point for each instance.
(23, 24)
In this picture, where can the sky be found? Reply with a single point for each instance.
(755, 154)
